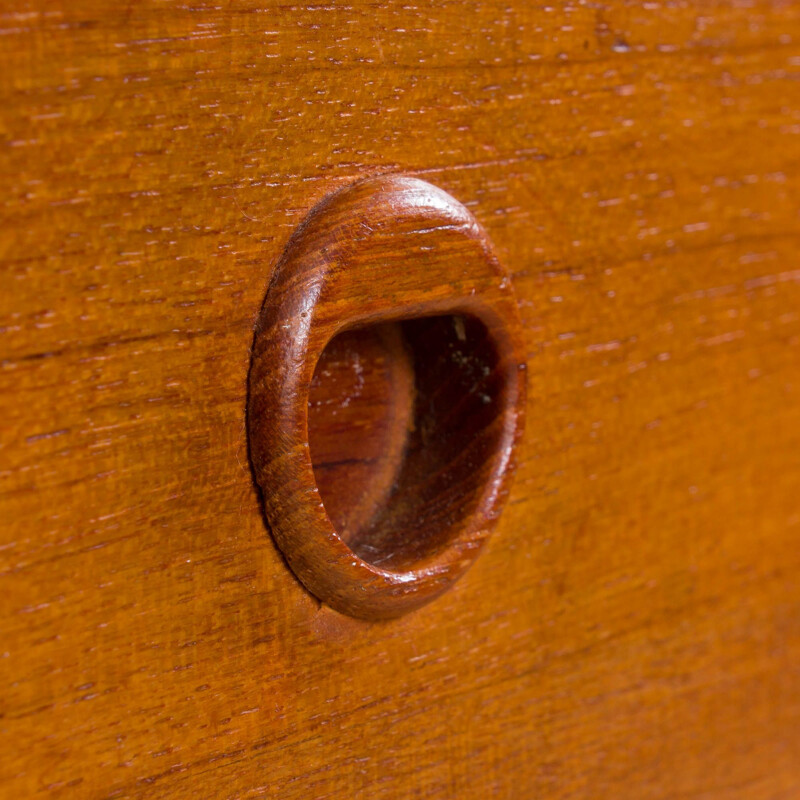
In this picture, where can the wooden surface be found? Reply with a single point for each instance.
(631, 630)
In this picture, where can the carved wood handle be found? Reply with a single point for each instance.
(396, 275)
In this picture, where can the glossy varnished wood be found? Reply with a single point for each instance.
(632, 627)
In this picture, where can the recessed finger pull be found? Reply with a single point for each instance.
(386, 396)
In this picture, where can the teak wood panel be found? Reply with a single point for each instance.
(633, 627)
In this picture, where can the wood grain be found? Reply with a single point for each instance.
(632, 628)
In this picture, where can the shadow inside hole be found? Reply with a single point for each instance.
(404, 421)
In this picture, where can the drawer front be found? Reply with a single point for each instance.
(632, 626)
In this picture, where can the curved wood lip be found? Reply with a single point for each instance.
(316, 285)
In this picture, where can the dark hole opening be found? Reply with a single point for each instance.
(404, 419)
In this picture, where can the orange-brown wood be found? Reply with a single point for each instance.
(632, 627)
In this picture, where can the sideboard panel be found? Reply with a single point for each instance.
(632, 629)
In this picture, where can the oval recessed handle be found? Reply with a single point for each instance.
(389, 309)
